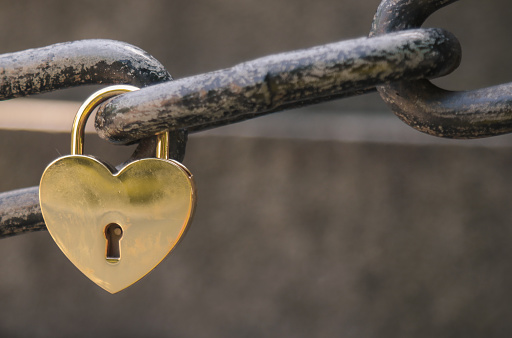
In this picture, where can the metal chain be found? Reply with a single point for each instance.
(278, 82)
(395, 59)
(428, 108)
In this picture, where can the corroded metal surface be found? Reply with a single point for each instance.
(278, 82)
(77, 63)
(428, 108)
(20, 212)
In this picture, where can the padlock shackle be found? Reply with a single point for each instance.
(85, 110)
(162, 145)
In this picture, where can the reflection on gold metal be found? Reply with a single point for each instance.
(162, 145)
(115, 226)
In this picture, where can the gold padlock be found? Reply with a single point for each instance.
(115, 226)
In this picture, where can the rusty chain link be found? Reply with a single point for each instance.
(428, 108)
(398, 59)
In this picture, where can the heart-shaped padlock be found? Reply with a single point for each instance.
(115, 226)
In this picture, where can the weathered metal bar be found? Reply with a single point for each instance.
(428, 108)
(278, 82)
(77, 63)
(20, 212)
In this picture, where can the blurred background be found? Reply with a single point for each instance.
(334, 220)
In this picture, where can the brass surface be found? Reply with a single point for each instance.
(115, 227)
(152, 200)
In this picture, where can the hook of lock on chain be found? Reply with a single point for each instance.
(115, 226)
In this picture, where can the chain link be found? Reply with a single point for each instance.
(428, 108)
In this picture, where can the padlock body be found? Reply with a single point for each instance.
(151, 200)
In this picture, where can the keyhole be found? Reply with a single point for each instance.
(113, 234)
